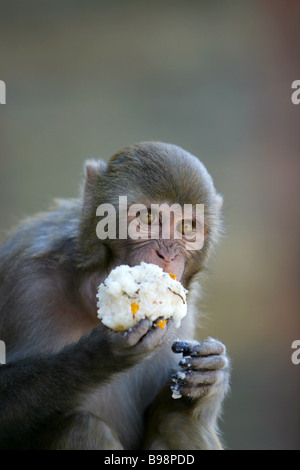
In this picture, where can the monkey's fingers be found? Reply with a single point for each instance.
(216, 362)
(156, 336)
(193, 378)
(192, 385)
(134, 335)
(196, 384)
(190, 391)
(194, 348)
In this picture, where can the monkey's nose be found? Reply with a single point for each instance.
(165, 255)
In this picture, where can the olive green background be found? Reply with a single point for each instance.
(86, 78)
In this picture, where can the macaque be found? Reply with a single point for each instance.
(69, 382)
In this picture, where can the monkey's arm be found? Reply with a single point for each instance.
(190, 422)
(35, 391)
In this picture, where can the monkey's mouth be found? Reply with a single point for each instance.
(174, 267)
(173, 272)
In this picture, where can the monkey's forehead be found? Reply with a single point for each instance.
(158, 157)
(162, 171)
(140, 191)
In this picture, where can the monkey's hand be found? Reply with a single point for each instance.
(204, 369)
(138, 341)
(200, 383)
(143, 338)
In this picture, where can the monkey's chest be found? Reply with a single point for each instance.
(121, 403)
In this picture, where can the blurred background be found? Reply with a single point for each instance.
(85, 79)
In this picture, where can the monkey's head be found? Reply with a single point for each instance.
(151, 202)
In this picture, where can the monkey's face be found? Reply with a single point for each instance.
(156, 204)
(166, 235)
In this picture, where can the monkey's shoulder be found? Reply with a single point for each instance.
(44, 234)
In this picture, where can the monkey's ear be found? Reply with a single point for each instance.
(94, 168)
(219, 201)
(93, 171)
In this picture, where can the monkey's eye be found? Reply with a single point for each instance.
(147, 216)
(186, 227)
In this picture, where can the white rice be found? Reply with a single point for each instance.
(146, 286)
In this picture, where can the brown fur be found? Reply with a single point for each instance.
(70, 382)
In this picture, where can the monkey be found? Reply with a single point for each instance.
(69, 382)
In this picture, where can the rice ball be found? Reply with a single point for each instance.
(130, 294)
